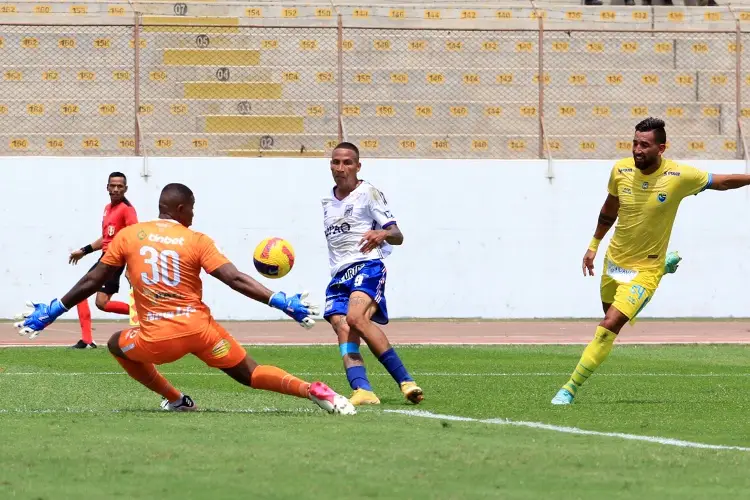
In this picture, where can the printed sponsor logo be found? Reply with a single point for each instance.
(180, 311)
(352, 272)
(334, 229)
(166, 240)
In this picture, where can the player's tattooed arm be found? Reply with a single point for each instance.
(394, 234)
(88, 285)
(374, 238)
(242, 283)
(607, 216)
(724, 182)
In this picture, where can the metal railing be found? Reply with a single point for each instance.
(218, 87)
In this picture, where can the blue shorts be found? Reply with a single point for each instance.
(367, 277)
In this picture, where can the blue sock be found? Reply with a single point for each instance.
(357, 376)
(395, 367)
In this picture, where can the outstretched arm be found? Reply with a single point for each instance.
(42, 315)
(724, 182)
(242, 283)
(607, 218)
(88, 285)
(296, 306)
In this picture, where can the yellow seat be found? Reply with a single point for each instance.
(211, 57)
(232, 90)
(190, 24)
(283, 153)
(257, 124)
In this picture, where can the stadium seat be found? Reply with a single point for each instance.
(207, 79)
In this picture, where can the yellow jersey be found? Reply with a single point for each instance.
(648, 207)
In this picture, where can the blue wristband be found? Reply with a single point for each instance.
(56, 309)
(278, 300)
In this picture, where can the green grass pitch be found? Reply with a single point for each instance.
(73, 426)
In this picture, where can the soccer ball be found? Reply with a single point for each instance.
(274, 257)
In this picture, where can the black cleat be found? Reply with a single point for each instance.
(83, 345)
(186, 404)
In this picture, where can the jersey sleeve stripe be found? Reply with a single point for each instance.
(710, 181)
(389, 224)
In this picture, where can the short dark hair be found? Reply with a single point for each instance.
(118, 174)
(349, 146)
(177, 190)
(656, 125)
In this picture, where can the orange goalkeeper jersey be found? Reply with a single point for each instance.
(164, 260)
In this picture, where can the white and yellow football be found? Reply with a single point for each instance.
(274, 257)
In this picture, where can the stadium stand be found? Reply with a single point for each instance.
(415, 80)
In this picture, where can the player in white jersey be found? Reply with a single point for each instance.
(360, 230)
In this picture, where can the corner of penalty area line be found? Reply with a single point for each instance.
(663, 441)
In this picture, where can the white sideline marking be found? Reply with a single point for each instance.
(425, 374)
(442, 343)
(156, 410)
(569, 430)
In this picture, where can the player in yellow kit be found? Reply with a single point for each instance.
(645, 192)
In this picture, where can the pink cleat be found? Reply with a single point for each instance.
(329, 400)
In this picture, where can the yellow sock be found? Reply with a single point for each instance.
(593, 356)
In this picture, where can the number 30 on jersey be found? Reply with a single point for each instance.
(165, 267)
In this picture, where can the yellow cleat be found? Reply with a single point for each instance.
(412, 392)
(364, 397)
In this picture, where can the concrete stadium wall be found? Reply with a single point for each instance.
(491, 239)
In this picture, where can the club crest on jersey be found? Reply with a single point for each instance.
(110, 230)
(662, 197)
(644, 185)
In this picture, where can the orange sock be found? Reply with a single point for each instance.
(117, 307)
(271, 378)
(146, 374)
(84, 318)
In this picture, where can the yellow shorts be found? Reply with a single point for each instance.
(628, 298)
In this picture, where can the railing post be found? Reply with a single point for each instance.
(738, 90)
(541, 86)
(137, 79)
(340, 78)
